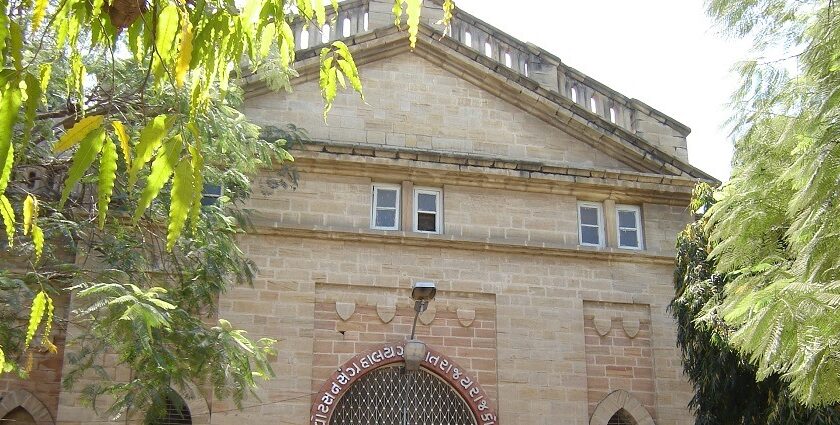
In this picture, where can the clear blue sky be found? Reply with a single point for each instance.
(662, 52)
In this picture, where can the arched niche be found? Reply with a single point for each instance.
(617, 401)
(27, 401)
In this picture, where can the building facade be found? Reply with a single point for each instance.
(543, 205)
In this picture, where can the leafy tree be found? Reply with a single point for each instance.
(124, 110)
(726, 391)
(774, 232)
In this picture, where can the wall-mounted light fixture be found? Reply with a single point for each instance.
(422, 294)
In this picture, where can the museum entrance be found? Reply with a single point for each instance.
(389, 396)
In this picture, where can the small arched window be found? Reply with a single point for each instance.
(573, 93)
(488, 50)
(621, 418)
(345, 27)
(526, 69)
(325, 33)
(175, 412)
(366, 21)
(508, 60)
(468, 39)
(612, 114)
(593, 104)
(304, 39)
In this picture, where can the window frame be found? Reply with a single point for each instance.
(601, 236)
(374, 207)
(438, 205)
(638, 212)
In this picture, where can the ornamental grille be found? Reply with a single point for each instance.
(386, 396)
(621, 418)
(176, 413)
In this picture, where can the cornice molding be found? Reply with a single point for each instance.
(265, 226)
(438, 170)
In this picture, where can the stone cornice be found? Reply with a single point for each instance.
(435, 168)
(514, 88)
(265, 226)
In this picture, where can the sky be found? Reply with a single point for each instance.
(665, 53)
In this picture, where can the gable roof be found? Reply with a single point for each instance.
(510, 84)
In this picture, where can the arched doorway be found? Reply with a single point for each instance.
(621, 418)
(372, 388)
(389, 396)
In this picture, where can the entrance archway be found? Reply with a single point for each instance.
(374, 382)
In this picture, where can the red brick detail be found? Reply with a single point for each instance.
(444, 367)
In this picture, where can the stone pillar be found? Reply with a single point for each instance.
(542, 68)
(610, 226)
(407, 207)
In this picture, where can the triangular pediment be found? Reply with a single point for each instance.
(439, 99)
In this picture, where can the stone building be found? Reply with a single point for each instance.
(542, 204)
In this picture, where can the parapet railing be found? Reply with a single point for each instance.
(523, 58)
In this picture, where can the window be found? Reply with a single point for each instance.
(468, 39)
(211, 194)
(591, 219)
(385, 214)
(629, 222)
(427, 211)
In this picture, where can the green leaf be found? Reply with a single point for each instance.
(122, 136)
(30, 212)
(396, 10)
(44, 76)
(107, 176)
(162, 167)
(16, 44)
(37, 240)
(79, 131)
(33, 99)
(327, 80)
(150, 139)
(167, 29)
(320, 13)
(82, 160)
(287, 44)
(39, 13)
(198, 184)
(8, 215)
(413, 9)
(181, 202)
(185, 53)
(2, 361)
(36, 314)
(9, 106)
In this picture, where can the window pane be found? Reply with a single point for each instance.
(628, 238)
(589, 235)
(426, 222)
(426, 202)
(627, 219)
(589, 215)
(386, 198)
(386, 218)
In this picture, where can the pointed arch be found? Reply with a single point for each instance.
(27, 401)
(620, 400)
(196, 404)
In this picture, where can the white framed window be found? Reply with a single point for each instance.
(629, 221)
(591, 223)
(427, 210)
(385, 207)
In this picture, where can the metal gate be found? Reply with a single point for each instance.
(387, 396)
